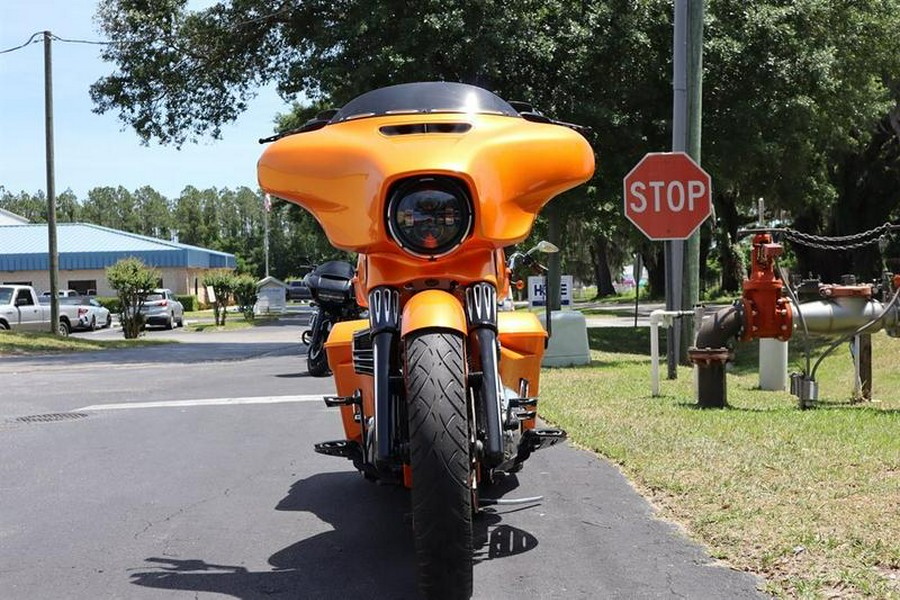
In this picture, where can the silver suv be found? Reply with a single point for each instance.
(161, 308)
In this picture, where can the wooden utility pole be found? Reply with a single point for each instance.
(51, 185)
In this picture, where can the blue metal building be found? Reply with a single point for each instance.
(86, 250)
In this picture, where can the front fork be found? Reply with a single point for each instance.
(384, 323)
(481, 322)
(481, 315)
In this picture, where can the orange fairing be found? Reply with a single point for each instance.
(433, 308)
(342, 172)
(339, 348)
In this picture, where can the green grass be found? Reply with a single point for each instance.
(232, 322)
(19, 343)
(809, 500)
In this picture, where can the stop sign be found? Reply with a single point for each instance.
(667, 195)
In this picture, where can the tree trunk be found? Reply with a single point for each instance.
(602, 274)
(654, 262)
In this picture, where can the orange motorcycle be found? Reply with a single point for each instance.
(437, 389)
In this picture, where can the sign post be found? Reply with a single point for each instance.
(668, 196)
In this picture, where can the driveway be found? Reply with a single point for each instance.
(188, 472)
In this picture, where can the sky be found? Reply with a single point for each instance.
(93, 150)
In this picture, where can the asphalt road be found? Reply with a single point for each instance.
(153, 493)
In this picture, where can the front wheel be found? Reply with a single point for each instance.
(441, 466)
(316, 357)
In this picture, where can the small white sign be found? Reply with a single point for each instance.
(537, 291)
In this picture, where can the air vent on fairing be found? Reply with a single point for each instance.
(412, 128)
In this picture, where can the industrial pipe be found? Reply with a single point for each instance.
(710, 353)
(846, 314)
(834, 316)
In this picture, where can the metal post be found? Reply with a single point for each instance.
(693, 130)
(654, 356)
(266, 238)
(863, 357)
(638, 268)
(51, 186)
(554, 262)
(675, 249)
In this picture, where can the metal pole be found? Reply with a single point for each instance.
(638, 268)
(693, 131)
(675, 248)
(654, 356)
(554, 262)
(266, 238)
(51, 186)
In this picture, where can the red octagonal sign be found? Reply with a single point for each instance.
(667, 195)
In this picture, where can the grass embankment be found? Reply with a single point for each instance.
(19, 343)
(810, 500)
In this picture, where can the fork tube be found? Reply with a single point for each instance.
(490, 395)
(381, 346)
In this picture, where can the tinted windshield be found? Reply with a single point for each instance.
(427, 97)
(5, 295)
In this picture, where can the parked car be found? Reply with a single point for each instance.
(101, 313)
(22, 310)
(91, 314)
(61, 294)
(298, 290)
(79, 314)
(161, 308)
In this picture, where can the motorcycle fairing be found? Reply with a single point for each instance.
(342, 173)
(339, 347)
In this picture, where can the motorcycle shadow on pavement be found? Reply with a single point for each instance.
(368, 552)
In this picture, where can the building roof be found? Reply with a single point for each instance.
(270, 279)
(86, 246)
(11, 218)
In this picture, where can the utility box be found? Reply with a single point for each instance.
(568, 342)
(271, 296)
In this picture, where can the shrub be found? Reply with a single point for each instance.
(190, 302)
(110, 303)
(245, 294)
(133, 282)
(222, 283)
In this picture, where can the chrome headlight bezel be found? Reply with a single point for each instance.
(450, 190)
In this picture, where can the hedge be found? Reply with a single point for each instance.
(189, 301)
(111, 303)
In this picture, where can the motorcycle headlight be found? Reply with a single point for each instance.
(429, 216)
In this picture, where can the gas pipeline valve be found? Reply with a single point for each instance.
(767, 313)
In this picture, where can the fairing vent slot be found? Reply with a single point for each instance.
(363, 354)
(414, 128)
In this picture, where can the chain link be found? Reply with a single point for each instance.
(840, 243)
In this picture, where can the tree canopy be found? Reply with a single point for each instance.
(792, 89)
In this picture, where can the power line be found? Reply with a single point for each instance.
(95, 42)
(31, 40)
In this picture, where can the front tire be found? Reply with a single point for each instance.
(441, 466)
(316, 357)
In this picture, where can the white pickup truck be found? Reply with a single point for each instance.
(20, 310)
